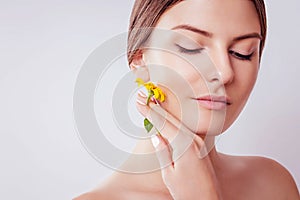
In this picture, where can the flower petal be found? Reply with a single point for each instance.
(149, 86)
(162, 97)
(140, 81)
(156, 93)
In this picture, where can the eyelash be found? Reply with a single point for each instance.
(241, 56)
(235, 54)
(189, 51)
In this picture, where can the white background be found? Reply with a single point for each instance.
(42, 47)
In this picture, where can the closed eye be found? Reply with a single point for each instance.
(241, 56)
(188, 51)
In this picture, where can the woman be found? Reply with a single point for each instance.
(229, 35)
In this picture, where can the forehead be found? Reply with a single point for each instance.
(224, 18)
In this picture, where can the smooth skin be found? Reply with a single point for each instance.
(217, 175)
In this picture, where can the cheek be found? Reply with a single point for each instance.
(173, 76)
(197, 119)
(176, 72)
(240, 90)
(245, 80)
(170, 60)
(180, 82)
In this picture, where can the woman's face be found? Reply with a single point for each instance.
(214, 46)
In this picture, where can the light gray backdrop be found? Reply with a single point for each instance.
(42, 47)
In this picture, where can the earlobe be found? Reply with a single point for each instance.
(141, 72)
(137, 60)
(139, 67)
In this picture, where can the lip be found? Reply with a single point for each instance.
(213, 102)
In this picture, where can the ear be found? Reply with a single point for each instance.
(139, 67)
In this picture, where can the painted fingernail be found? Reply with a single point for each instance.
(142, 94)
(155, 140)
(154, 100)
(140, 102)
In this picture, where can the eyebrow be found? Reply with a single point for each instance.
(210, 35)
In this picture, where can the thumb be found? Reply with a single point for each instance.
(163, 150)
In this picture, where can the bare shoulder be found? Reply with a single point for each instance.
(85, 196)
(115, 187)
(93, 196)
(271, 178)
(98, 194)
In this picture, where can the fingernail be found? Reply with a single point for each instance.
(140, 102)
(155, 140)
(154, 100)
(142, 94)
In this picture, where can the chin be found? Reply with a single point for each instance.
(212, 124)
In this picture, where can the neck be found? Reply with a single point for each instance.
(153, 180)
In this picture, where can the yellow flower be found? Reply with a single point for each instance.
(158, 94)
(153, 90)
(149, 86)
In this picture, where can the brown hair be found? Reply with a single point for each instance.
(146, 13)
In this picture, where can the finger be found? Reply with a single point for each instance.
(186, 143)
(142, 99)
(163, 152)
(141, 103)
(170, 118)
(159, 122)
(185, 136)
(201, 147)
(161, 144)
(162, 113)
(161, 119)
(182, 138)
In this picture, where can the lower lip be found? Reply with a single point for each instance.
(212, 105)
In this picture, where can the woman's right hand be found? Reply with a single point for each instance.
(186, 168)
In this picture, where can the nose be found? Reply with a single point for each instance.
(223, 67)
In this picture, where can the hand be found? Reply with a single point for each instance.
(186, 169)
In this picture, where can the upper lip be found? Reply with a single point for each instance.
(215, 98)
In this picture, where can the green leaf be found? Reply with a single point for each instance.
(147, 124)
(149, 96)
